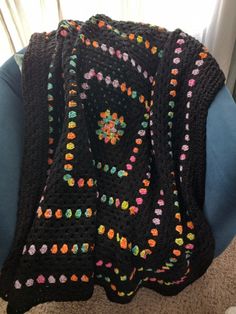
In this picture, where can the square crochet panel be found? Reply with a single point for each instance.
(114, 162)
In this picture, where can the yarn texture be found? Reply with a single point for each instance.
(113, 172)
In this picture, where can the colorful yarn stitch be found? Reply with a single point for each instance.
(113, 172)
(111, 127)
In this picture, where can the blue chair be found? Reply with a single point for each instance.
(220, 189)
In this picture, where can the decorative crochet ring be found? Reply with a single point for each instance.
(111, 127)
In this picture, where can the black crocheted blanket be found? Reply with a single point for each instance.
(113, 171)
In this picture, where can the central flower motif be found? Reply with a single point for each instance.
(111, 127)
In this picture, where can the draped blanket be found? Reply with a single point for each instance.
(113, 171)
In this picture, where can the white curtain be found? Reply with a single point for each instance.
(213, 22)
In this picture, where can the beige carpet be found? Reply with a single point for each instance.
(211, 294)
